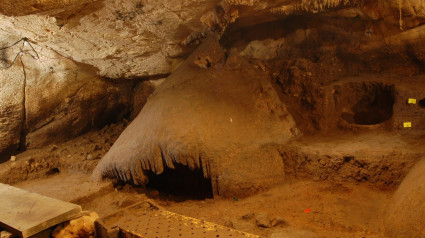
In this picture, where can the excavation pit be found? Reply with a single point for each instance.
(375, 106)
(368, 103)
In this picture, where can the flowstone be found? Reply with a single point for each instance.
(215, 113)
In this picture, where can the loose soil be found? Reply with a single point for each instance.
(324, 196)
(322, 208)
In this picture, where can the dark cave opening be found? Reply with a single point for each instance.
(181, 183)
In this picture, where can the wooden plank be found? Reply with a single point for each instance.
(25, 213)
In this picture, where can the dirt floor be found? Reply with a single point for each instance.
(299, 208)
(328, 195)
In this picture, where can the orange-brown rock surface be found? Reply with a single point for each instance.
(215, 114)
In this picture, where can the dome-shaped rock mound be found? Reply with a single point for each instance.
(214, 113)
(406, 212)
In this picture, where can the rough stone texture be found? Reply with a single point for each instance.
(121, 38)
(262, 219)
(76, 228)
(141, 93)
(11, 107)
(49, 98)
(20, 8)
(207, 115)
(406, 212)
(133, 38)
(376, 10)
(263, 50)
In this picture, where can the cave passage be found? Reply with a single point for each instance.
(181, 182)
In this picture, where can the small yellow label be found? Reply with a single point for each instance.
(412, 101)
(407, 124)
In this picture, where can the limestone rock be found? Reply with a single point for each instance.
(77, 228)
(263, 50)
(217, 119)
(11, 107)
(262, 219)
(133, 38)
(121, 38)
(89, 157)
(405, 215)
(46, 97)
(20, 8)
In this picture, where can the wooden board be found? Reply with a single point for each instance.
(25, 213)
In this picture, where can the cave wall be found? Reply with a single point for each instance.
(91, 53)
(121, 38)
(49, 98)
(134, 38)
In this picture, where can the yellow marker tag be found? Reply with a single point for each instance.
(407, 124)
(412, 101)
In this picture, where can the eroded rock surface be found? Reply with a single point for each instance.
(79, 227)
(46, 98)
(121, 38)
(11, 107)
(14, 8)
(406, 212)
(134, 38)
(210, 114)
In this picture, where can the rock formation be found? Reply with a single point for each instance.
(79, 227)
(213, 113)
(405, 214)
(50, 98)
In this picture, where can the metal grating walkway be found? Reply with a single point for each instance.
(149, 221)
